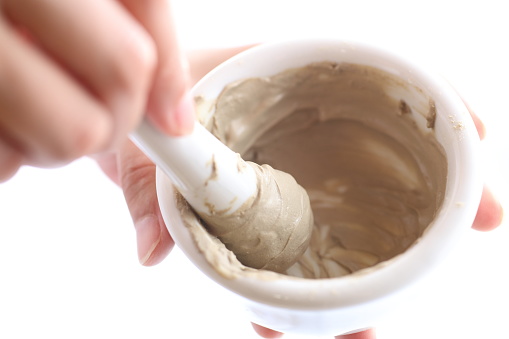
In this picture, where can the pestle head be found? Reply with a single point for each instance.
(273, 228)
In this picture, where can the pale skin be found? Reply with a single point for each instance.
(98, 81)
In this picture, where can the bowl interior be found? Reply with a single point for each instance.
(453, 129)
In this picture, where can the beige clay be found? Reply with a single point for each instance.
(375, 181)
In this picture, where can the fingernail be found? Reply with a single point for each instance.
(148, 236)
(182, 118)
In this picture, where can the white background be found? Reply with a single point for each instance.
(68, 263)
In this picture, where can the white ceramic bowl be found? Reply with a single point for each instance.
(354, 302)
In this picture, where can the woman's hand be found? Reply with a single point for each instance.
(135, 173)
(77, 76)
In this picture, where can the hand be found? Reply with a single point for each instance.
(77, 76)
(136, 175)
(266, 333)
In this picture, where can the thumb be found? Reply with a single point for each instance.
(137, 179)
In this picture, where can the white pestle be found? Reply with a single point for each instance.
(259, 213)
(209, 175)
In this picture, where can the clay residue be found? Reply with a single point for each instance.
(374, 179)
(432, 115)
(215, 252)
(213, 170)
(369, 194)
(241, 164)
(404, 108)
(273, 229)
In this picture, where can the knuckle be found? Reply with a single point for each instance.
(83, 140)
(137, 60)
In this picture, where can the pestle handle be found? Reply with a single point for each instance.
(210, 176)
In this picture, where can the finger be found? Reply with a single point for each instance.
(203, 61)
(265, 332)
(137, 178)
(169, 107)
(368, 334)
(481, 129)
(108, 163)
(42, 127)
(490, 212)
(10, 161)
(112, 58)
